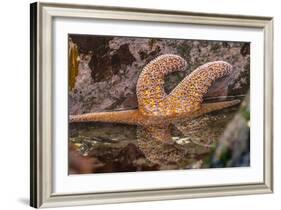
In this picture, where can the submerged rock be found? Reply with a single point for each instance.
(159, 152)
(233, 148)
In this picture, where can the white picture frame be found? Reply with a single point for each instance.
(50, 183)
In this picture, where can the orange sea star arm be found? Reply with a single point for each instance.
(211, 107)
(150, 85)
(127, 117)
(187, 96)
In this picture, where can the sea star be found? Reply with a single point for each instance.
(156, 109)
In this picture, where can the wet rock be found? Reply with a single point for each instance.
(79, 164)
(130, 102)
(245, 50)
(233, 149)
(130, 158)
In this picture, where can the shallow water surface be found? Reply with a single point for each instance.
(109, 147)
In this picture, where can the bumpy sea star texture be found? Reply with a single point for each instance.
(187, 97)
